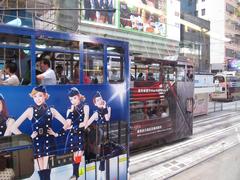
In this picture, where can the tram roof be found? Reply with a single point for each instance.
(28, 31)
(181, 60)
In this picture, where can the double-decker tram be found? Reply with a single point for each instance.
(64, 105)
(161, 101)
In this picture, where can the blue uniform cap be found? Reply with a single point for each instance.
(73, 92)
(40, 89)
(1, 97)
(98, 94)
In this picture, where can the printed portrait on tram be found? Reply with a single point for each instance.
(6, 121)
(101, 116)
(41, 116)
(77, 116)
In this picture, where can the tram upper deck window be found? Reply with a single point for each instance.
(93, 63)
(15, 67)
(66, 67)
(169, 73)
(57, 68)
(115, 64)
(93, 69)
(153, 72)
(61, 44)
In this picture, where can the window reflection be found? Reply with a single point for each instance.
(93, 69)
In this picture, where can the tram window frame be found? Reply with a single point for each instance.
(69, 75)
(71, 78)
(116, 53)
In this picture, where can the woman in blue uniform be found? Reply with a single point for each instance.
(77, 117)
(101, 116)
(5, 121)
(41, 116)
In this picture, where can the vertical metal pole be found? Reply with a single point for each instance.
(214, 106)
(221, 106)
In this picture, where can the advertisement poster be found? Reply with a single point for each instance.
(101, 12)
(147, 16)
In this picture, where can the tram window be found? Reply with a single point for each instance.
(115, 64)
(64, 68)
(93, 69)
(180, 73)
(43, 43)
(218, 79)
(15, 67)
(15, 40)
(170, 73)
(90, 47)
(154, 73)
(115, 69)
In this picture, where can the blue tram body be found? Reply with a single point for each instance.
(26, 47)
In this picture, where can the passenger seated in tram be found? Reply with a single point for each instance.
(27, 76)
(150, 77)
(189, 75)
(140, 77)
(76, 79)
(114, 76)
(10, 70)
(61, 78)
(48, 76)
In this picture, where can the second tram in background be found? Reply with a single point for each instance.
(227, 87)
(161, 101)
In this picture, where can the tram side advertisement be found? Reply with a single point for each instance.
(75, 129)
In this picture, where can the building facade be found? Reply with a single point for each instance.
(189, 7)
(195, 43)
(225, 30)
(150, 26)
